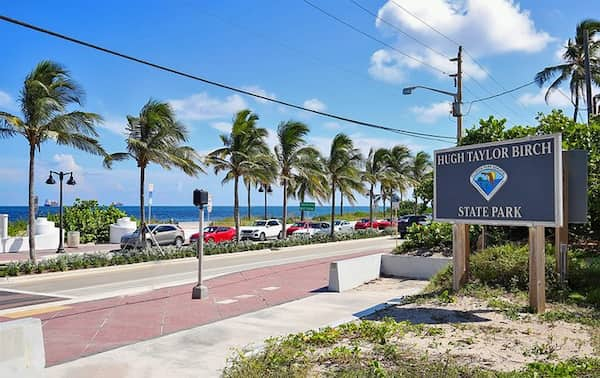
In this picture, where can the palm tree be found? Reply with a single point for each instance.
(264, 171)
(573, 68)
(234, 156)
(343, 169)
(291, 152)
(47, 93)
(420, 166)
(400, 166)
(155, 136)
(310, 180)
(376, 166)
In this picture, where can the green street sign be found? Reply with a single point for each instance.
(307, 206)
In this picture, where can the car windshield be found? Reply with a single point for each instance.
(298, 224)
(210, 229)
(315, 225)
(337, 223)
(151, 227)
(260, 223)
(364, 220)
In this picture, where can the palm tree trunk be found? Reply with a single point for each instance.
(371, 204)
(31, 203)
(416, 200)
(249, 209)
(236, 206)
(283, 231)
(301, 211)
(341, 203)
(576, 108)
(332, 206)
(142, 215)
(391, 211)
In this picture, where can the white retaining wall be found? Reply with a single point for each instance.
(46, 236)
(22, 348)
(412, 266)
(348, 274)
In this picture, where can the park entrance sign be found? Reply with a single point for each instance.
(518, 182)
(514, 182)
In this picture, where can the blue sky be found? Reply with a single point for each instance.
(284, 49)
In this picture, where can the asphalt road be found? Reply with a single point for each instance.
(102, 284)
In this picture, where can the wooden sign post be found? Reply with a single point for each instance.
(537, 264)
(460, 253)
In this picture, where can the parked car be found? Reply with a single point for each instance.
(215, 234)
(386, 223)
(314, 228)
(342, 226)
(364, 223)
(296, 226)
(161, 234)
(262, 230)
(408, 220)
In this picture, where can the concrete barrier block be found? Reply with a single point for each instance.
(412, 266)
(348, 274)
(22, 348)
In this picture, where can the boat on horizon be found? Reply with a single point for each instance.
(50, 203)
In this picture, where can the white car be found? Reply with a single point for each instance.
(342, 226)
(262, 230)
(314, 228)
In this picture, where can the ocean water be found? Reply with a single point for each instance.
(189, 213)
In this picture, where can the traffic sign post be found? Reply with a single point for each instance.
(307, 206)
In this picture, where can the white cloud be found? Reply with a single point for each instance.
(486, 27)
(6, 101)
(315, 104)
(431, 113)
(259, 91)
(66, 162)
(115, 125)
(556, 99)
(224, 127)
(332, 126)
(386, 66)
(201, 106)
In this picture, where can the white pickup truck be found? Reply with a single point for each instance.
(262, 230)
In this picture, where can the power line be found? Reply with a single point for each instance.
(503, 93)
(349, 25)
(399, 30)
(221, 85)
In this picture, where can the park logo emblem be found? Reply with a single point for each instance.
(488, 179)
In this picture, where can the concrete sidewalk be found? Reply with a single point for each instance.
(203, 351)
(51, 253)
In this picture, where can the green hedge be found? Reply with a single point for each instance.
(99, 259)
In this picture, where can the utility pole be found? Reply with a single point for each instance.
(457, 105)
(588, 76)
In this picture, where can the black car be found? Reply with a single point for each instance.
(408, 220)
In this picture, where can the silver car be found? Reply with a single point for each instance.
(161, 234)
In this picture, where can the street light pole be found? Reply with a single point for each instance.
(50, 181)
(200, 291)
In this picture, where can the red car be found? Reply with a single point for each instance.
(385, 223)
(364, 223)
(215, 234)
(297, 226)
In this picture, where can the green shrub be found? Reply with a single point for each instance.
(436, 237)
(90, 219)
(505, 266)
(17, 228)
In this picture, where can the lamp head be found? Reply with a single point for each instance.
(407, 90)
(71, 180)
(269, 189)
(261, 189)
(50, 180)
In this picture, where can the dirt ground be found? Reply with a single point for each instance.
(474, 333)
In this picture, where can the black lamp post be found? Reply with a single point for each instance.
(71, 181)
(266, 189)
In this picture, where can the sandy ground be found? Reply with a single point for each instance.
(476, 334)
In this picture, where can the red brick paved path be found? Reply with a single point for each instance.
(91, 327)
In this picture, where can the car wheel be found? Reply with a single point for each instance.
(280, 235)
(210, 241)
(178, 242)
(262, 236)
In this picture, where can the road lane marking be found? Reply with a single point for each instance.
(271, 288)
(245, 296)
(37, 311)
(226, 301)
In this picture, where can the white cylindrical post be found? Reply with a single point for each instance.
(3, 226)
